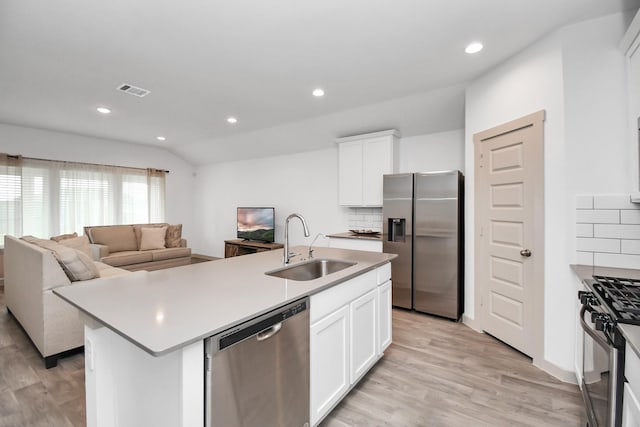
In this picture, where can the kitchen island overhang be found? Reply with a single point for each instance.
(165, 315)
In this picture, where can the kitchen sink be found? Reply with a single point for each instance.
(309, 270)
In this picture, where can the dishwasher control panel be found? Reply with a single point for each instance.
(245, 330)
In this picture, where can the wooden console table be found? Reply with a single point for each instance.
(243, 247)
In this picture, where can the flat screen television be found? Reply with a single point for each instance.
(256, 224)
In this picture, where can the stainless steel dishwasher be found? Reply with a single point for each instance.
(257, 374)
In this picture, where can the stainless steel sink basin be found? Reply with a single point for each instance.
(309, 270)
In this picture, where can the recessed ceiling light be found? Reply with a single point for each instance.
(232, 120)
(318, 92)
(161, 138)
(103, 110)
(474, 47)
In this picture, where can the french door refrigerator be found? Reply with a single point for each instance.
(423, 222)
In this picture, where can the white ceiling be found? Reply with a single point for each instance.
(382, 63)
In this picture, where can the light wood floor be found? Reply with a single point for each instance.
(436, 373)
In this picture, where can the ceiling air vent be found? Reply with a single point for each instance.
(134, 90)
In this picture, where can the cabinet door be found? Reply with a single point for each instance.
(329, 358)
(377, 161)
(350, 173)
(363, 333)
(384, 316)
(630, 408)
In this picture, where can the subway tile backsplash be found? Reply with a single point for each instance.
(607, 231)
(364, 218)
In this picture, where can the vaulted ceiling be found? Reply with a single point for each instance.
(382, 64)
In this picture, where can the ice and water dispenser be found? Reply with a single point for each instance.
(396, 229)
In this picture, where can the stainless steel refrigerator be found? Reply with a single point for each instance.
(423, 222)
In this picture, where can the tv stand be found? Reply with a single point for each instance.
(244, 247)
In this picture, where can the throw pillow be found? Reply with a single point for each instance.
(152, 238)
(80, 243)
(174, 235)
(76, 265)
(64, 237)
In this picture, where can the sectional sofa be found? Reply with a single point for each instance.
(33, 268)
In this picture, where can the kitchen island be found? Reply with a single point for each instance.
(145, 331)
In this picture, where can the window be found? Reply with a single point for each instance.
(44, 198)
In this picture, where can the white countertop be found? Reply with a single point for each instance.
(163, 310)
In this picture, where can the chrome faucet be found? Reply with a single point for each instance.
(288, 255)
(312, 242)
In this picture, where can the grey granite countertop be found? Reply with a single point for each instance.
(350, 235)
(631, 333)
(161, 311)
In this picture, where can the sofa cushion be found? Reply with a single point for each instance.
(152, 238)
(170, 253)
(174, 235)
(109, 271)
(127, 258)
(64, 236)
(80, 243)
(116, 237)
(76, 264)
(138, 233)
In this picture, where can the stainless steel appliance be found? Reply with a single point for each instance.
(258, 372)
(608, 302)
(423, 222)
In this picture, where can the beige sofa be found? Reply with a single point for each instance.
(126, 246)
(31, 273)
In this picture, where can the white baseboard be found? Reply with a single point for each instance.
(561, 374)
(471, 322)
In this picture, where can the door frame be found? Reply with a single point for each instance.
(536, 122)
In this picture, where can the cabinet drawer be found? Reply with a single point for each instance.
(330, 300)
(384, 273)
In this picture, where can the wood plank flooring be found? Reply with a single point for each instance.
(436, 373)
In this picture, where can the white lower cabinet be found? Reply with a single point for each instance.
(364, 349)
(630, 408)
(384, 316)
(329, 346)
(350, 327)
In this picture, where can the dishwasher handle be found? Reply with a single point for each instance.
(269, 332)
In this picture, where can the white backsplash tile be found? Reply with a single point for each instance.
(584, 202)
(607, 231)
(631, 247)
(598, 216)
(616, 260)
(630, 216)
(598, 245)
(365, 218)
(613, 201)
(616, 231)
(584, 230)
(584, 258)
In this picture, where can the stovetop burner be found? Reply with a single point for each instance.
(622, 297)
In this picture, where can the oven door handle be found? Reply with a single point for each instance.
(597, 338)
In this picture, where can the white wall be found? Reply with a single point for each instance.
(432, 152)
(51, 145)
(306, 183)
(575, 75)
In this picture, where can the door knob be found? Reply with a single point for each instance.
(525, 253)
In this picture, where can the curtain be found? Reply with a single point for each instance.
(62, 197)
(10, 196)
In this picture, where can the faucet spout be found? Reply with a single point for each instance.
(288, 255)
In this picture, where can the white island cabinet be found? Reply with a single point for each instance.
(145, 331)
(350, 329)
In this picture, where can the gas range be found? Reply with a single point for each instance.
(619, 298)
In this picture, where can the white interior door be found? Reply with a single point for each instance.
(509, 232)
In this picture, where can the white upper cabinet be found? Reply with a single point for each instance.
(362, 161)
(630, 45)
